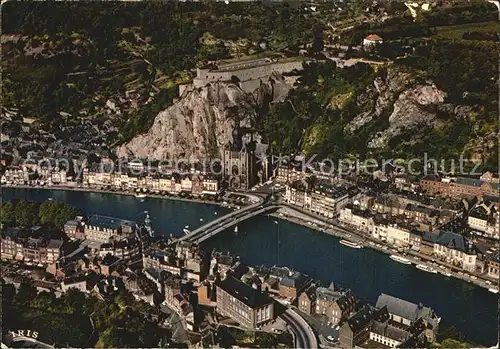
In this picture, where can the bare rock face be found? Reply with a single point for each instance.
(201, 123)
(411, 111)
(411, 106)
(378, 97)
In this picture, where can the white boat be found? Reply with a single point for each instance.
(186, 231)
(50, 199)
(493, 290)
(140, 196)
(236, 229)
(350, 244)
(399, 259)
(201, 219)
(426, 268)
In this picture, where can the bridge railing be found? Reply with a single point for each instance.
(218, 220)
(208, 234)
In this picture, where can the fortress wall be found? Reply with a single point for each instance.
(244, 64)
(266, 70)
(205, 76)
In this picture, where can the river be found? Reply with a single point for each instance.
(265, 240)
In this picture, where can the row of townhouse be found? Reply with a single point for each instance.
(324, 200)
(392, 323)
(401, 235)
(24, 174)
(33, 250)
(194, 184)
(425, 212)
(445, 242)
(485, 218)
(127, 249)
(460, 187)
(336, 305)
(100, 229)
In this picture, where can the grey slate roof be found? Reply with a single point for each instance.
(469, 181)
(361, 319)
(389, 331)
(402, 308)
(244, 293)
(345, 301)
(108, 222)
(455, 242)
(327, 294)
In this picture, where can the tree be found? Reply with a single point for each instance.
(450, 343)
(7, 212)
(318, 39)
(26, 293)
(75, 300)
(8, 292)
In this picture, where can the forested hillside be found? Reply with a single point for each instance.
(63, 62)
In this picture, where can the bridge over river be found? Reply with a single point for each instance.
(222, 223)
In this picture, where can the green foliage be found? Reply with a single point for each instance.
(24, 213)
(450, 343)
(65, 320)
(143, 119)
(307, 120)
(228, 336)
(98, 44)
(466, 13)
(473, 31)
(396, 28)
(460, 66)
(26, 293)
(8, 293)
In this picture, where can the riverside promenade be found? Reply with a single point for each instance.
(330, 227)
(116, 192)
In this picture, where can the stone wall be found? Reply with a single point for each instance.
(263, 71)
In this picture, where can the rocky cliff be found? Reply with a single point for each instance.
(408, 104)
(201, 122)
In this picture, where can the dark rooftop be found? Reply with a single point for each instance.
(108, 222)
(109, 260)
(244, 293)
(455, 242)
(403, 308)
(361, 319)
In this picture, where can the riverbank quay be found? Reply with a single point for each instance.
(116, 192)
(330, 227)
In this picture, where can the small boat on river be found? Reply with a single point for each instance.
(400, 259)
(350, 244)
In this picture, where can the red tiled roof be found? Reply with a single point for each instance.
(373, 37)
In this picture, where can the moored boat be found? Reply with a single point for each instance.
(350, 244)
(186, 231)
(399, 259)
(493, 290)
(426, 268)
(140, 196)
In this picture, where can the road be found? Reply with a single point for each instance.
(303, 333)
(226, 221)
(334, 228)
(219, 220)
(225, 225)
